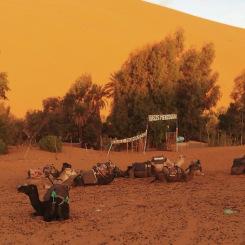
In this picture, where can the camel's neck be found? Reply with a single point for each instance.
(35, 201)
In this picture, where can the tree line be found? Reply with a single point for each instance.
(162, 78)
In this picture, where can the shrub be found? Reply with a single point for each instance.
(50, 143)
(3, 147)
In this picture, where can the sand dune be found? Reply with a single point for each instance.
(128, 211)
(45, 45)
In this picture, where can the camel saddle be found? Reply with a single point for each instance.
(158, 160)
(61, 190)
(89, 177)
(142, 170)
(172, 171)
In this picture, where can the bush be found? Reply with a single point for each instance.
(50, 143)
(3, 147)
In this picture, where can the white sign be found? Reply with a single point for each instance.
(137, 137)
(153, 118)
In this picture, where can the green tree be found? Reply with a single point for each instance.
(145, 85)
(238, 93)
(10, 127)
(34, 122)
(163, 78)
(83, 101)
(232, 121)
(3, 85)
(197, 90)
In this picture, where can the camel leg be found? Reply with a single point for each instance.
(131, 173)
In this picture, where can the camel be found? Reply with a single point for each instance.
(100, 174)
(146, 169)
(50, 170)
(176, 173)
(238, 166)
(159, 164)
(64, 176)
(196, 167)
(55, 205)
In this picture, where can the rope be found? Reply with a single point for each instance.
(64, 199)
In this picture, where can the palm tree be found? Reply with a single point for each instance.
(85, 99)
(3, 85)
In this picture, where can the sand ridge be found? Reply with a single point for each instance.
(129, 211)
(47, 45)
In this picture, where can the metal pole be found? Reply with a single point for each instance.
(109, 150)
(242, 130)
(177, 131)
(146, 138)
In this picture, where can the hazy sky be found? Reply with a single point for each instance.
(231, 12)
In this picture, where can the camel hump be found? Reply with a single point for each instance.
(59, 189)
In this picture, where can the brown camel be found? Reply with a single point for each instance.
(55, 205)
(176, 173)
(100, 174)
(238, 166)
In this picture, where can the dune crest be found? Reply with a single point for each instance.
(46, 45)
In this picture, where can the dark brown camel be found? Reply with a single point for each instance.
(100, 174)
(159, 165)
(177, 174)
(55, 205)
(238, 166)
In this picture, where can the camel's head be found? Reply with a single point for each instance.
(50, 169)
(27, 189)
(65, 165)
(195, 165)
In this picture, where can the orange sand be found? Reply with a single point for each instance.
(129, 211)
(45, 45)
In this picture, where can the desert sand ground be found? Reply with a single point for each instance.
(129, 211)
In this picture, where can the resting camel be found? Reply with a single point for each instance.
(176, 173)
(238, 166)
(148, 168)
(160, 164)
(100, 174)
(55, 205)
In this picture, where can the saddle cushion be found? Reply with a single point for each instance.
(158, 160)
(35, 173)
(61, 190)
(142, 170)
(66, 176)
(89, 177)
(237, 162)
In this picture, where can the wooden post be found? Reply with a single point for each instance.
(242, 131)
(109, 150)
(177, 131)
(101, 143)
(146, 139)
